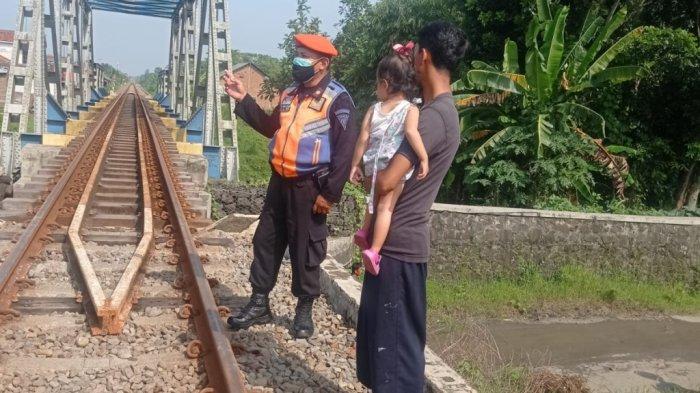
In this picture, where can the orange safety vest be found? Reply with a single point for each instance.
(302, 145)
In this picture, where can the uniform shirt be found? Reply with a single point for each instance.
(409, 234)
(343, 134)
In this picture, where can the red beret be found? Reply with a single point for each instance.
(316, 43)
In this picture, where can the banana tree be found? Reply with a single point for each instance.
(546, 97)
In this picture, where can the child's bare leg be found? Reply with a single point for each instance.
(368, 217)
(382, 221)
(367, 223)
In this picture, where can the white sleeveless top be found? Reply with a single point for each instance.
(386, 135)
(385, 138)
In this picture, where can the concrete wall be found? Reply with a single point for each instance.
(253, 80)
(35, 157)
(344, 219)
(488, 241)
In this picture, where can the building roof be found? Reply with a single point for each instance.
(7, 35)
(240, 66)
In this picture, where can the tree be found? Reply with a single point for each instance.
(268, 64)
(545, 119)
(149, 80)
(302, 23)
(680, 14)
(369, 30)
(658, 117)
(116, 77)
(488, 23)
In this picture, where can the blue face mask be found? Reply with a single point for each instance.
(303, 69)
(302, 62)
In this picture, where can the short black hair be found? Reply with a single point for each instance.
(446, 43)
(398, 71)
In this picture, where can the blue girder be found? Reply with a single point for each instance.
(156, 8)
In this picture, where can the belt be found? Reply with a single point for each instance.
(305, 177)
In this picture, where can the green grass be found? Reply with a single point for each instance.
(572, 289)
(507, 378)
(255, 169)
(217, 212)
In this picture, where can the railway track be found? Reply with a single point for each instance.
(105, 269)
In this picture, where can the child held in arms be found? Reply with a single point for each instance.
(384, 128)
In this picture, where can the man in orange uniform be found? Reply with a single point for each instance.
(312, 140)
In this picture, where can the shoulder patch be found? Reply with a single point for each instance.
(343, 116)
(286, 104)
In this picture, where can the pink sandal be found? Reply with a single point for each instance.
(360, 239)
(371, 261)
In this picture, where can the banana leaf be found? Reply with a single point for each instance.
(480, 153)
(556, 47)
(480, 65)
(544, 130)
(603, 36)
(520, 79)
(467, 100)
(493, 80)
(617, 149)
(543, 11)
(533, 29)
(535, 74)
(578, 109)
(458, 87)
(510, 58)
(615, 22)
(606, 58)
(616, 166)
(583, 190)
(543, 86)
(586, 34)
(480, 134)
(616, 75)
(591, 17)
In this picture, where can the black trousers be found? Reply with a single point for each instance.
(391, 329)
(287, 219)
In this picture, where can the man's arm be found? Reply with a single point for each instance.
(249, 110)
(344, 133)
(393, 174)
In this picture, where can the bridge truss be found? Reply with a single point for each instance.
(53, 75)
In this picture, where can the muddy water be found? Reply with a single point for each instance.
(614, 355)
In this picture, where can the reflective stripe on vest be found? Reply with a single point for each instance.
(302, 145)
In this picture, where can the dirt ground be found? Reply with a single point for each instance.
(614, 355)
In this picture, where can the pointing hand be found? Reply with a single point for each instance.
(233, 86)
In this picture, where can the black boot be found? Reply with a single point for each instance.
(256, 312)
(303, 322)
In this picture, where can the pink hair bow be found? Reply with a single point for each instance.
(404, 50)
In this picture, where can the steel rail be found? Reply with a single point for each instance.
(111, 312)
(214, 348)
(38, 230)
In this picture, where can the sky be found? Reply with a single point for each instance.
(135, 43)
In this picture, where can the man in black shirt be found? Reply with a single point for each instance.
(313, 137)
(391, 328)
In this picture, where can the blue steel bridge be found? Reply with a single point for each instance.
(49, 90)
